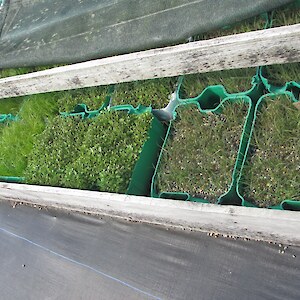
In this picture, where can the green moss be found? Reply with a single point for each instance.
(200, 156)
(273, 172)
(97, 154)
(35, 112)
(154, 92)
(54, 149)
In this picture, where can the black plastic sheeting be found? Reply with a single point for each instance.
(46, 32)
(47, 254)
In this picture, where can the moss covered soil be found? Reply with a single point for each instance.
(96, 154)
(200, 156)
(272, 173)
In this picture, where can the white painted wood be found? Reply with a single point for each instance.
(244, 222)
(263, 47)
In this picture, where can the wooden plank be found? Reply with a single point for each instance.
(264, 47)
(245, 222)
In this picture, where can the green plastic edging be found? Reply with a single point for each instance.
(12, 179)
(210, 101)
(213, 91)
(290, 205)
(140, 183)
(82, 110)
(7, 117)
(143, 170)
(140, 109)
(290, 86)
(233, 196)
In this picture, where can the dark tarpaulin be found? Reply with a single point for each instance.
(46, 32)
(47, 254)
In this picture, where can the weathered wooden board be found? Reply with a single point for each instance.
(264, 47)
(245, 222)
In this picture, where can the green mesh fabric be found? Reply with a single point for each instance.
(44, 32)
